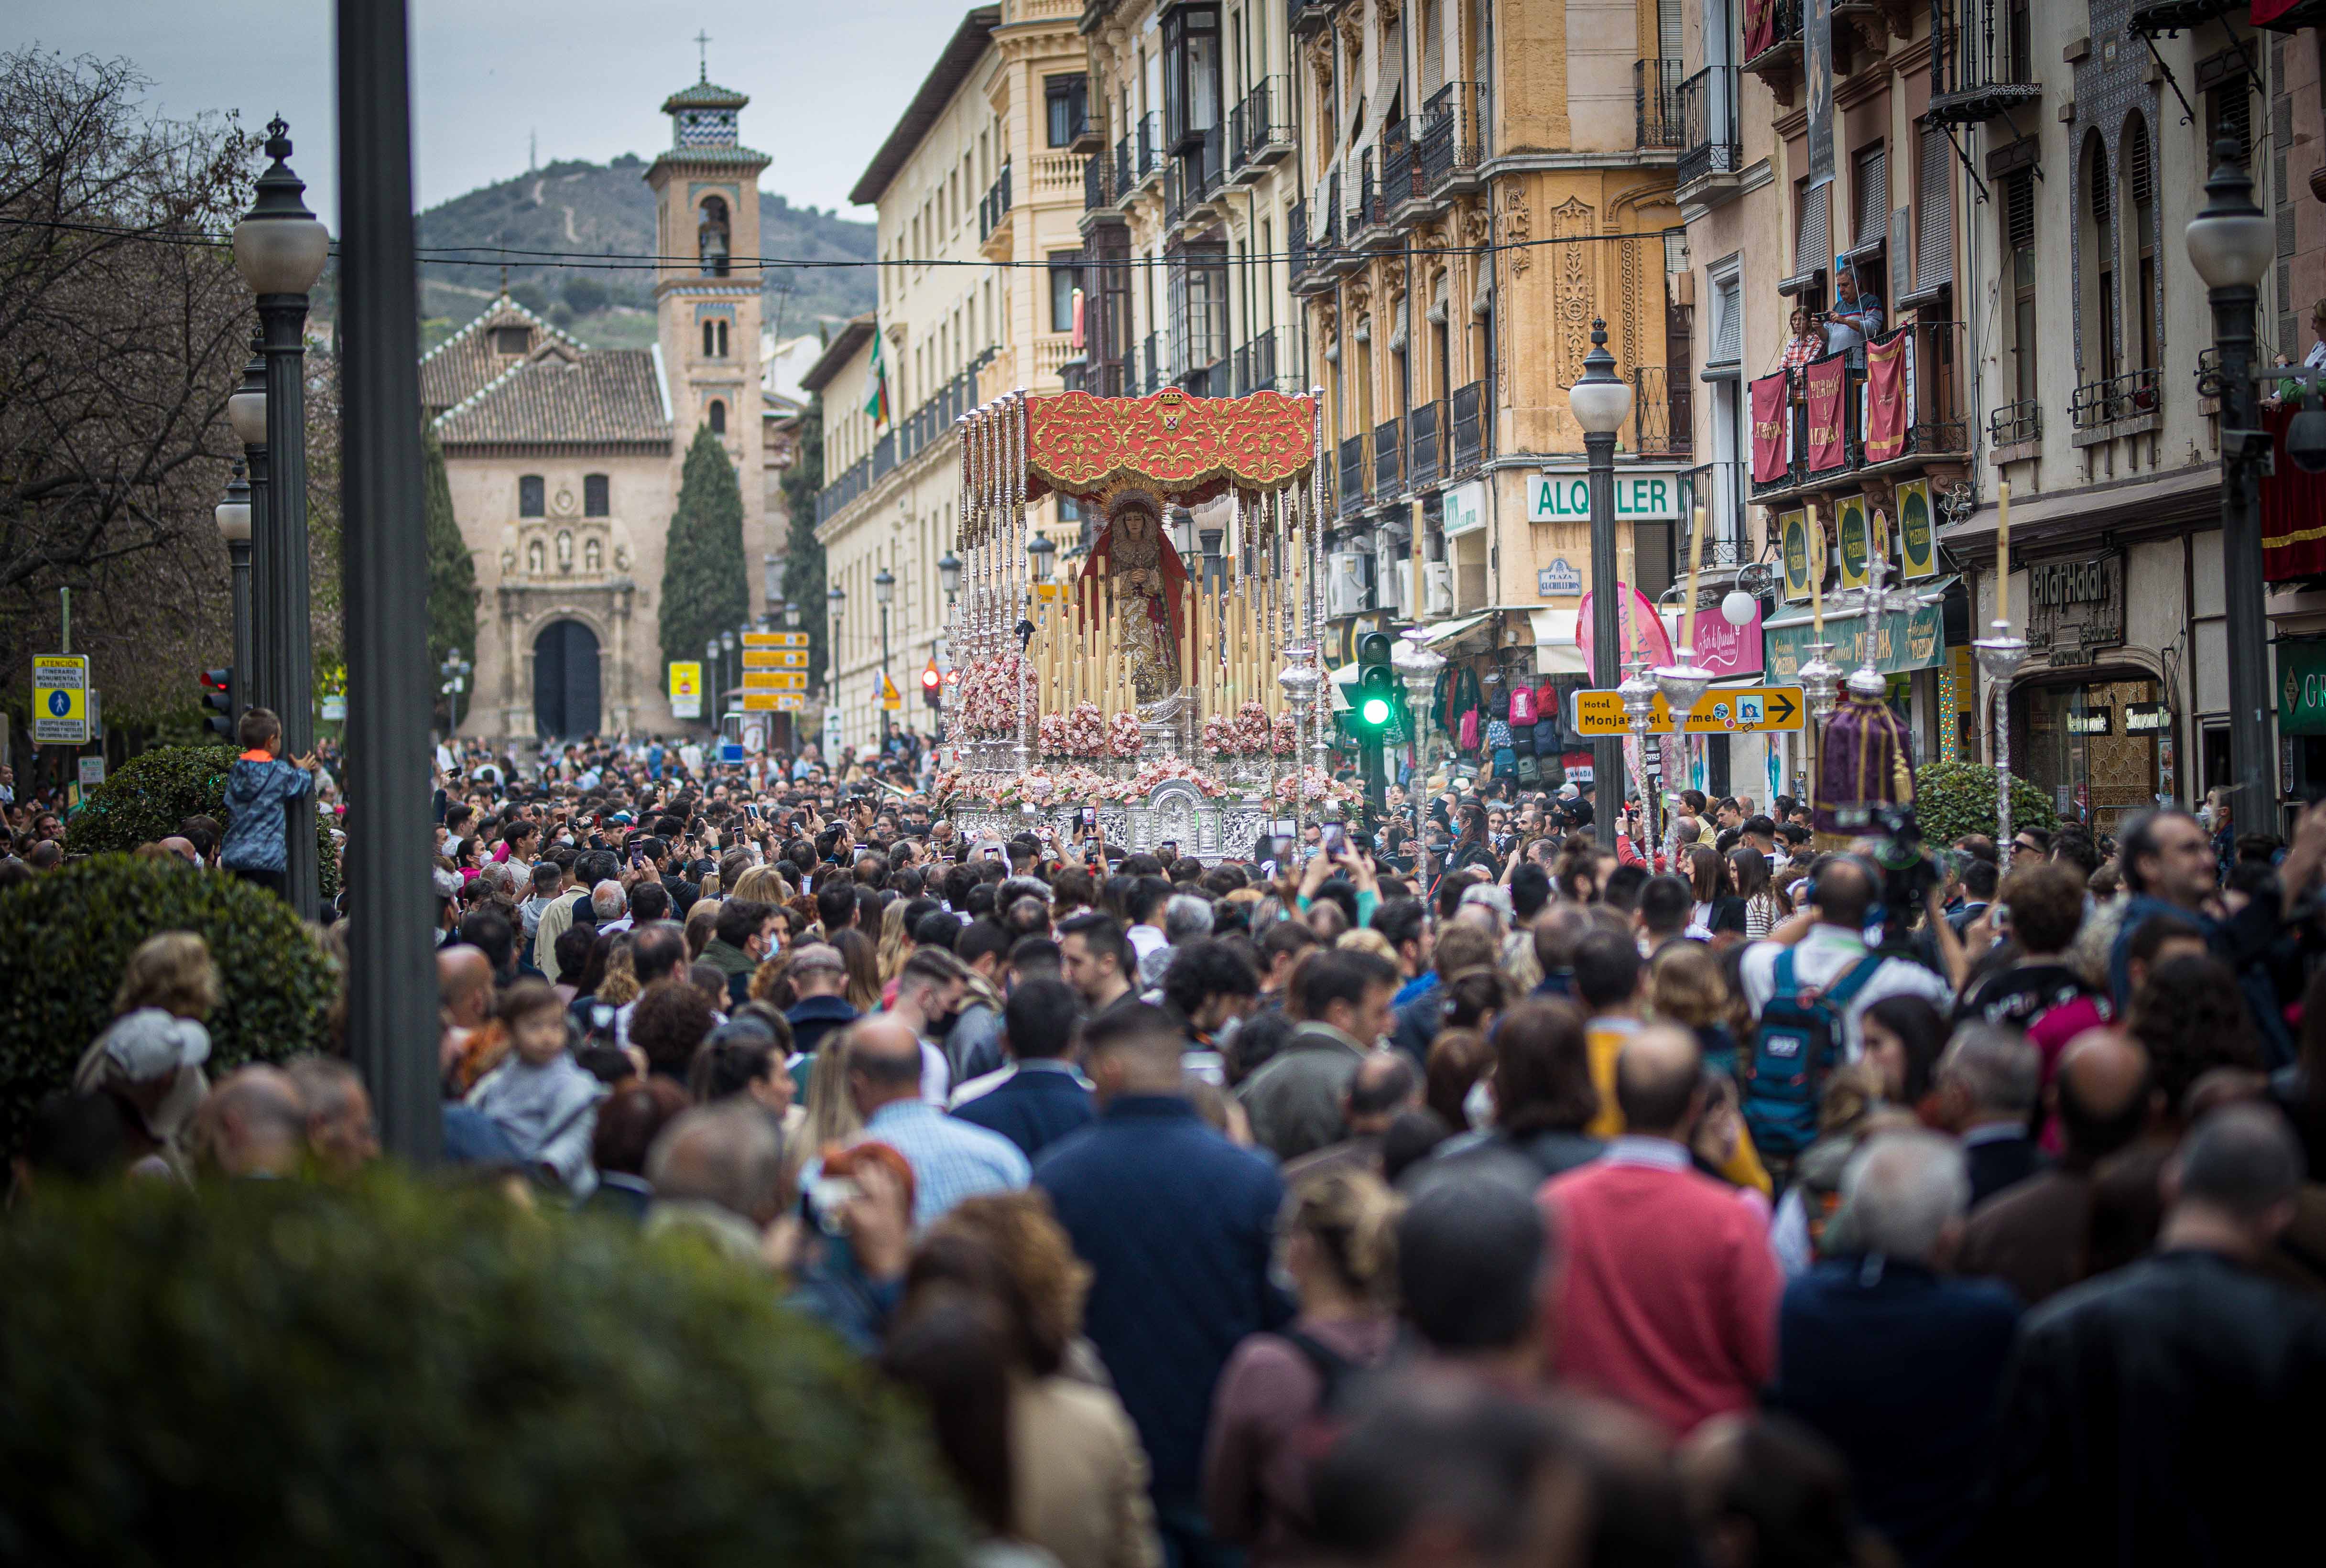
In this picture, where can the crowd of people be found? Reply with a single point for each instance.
(1467, 1194)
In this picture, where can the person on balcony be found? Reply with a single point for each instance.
(1856, 317)
(1808, 342)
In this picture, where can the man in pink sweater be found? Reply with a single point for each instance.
(1668, 1300)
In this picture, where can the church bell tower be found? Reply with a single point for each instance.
(707, 292)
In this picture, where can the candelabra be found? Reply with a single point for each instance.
(1638, 690)
(1999, 657)
(1416, 664)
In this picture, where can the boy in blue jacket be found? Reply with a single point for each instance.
(259, 787)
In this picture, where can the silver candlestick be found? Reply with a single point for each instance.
(1999, 656)
(1638, 690)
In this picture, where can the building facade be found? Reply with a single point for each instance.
(978, 205)
(564, 461)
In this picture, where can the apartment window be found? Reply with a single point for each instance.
(1728, 323)
(1869, 186)
(2228, 112)
(1934, 253)
(1191, 75)
(2140, 212)
(718, 417)
(2018, 215)
(531, 497)
(2100, 317)
(1063, 101)
(1198, 305)
(1812, 228)
(595, 498)
(1066, 272)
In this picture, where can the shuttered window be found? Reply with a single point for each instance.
(2018, 211)
(1727, 321)
(1934, 256)
(1813, 233)
(1870, 186)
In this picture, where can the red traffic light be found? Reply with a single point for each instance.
(216, 679)
(930, 679)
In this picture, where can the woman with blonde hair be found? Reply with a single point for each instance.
(1339, 1245)
(171, 970)
(896, 944)
(832, 1115)
(760, 884)
(149, 1059)
(1366, 939)
(856, 955)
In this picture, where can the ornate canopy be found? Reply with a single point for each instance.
(1188, 448)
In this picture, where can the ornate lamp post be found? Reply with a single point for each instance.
(245, 413)
(884, 590)
(233, 516)
(1600, 401)
(456, 671)
(1416, 663)
(280, 249)
(837, 600)
(2231, 243)
(792, 615)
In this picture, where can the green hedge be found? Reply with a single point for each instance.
(66, 936)
(153, 791)
(282, 1372)
(1955, 798)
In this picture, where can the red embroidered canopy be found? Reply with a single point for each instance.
(1189, 448)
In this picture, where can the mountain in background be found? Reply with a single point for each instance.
(596, 210)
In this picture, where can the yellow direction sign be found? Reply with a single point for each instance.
(775, 639)
(60, 700)
(889, 698)
(1734, 711)
(775, 658)
(773, 701)
(774, 680)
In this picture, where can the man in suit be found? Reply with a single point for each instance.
(1988, 1081)
(1040, 1097)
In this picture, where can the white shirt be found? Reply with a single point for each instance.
(1821, 957)
(1146, 939)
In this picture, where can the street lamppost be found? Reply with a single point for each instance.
(884, 588)
(1600, 401)
(2231, 244)
(838, 601)
(710, 665)
(245, 413)
(734, 676)
(233, 516)
(949, 579)
(280, 249)
(456, 671)
(791, 615)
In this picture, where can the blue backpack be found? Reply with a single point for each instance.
(1796, 1043)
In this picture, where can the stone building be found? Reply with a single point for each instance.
(564, 461)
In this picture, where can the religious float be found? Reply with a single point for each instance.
(1163, 692)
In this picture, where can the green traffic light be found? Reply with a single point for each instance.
(1376, 710)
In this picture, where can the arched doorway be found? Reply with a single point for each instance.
(565, 681)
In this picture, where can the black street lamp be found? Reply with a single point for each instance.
(711, 663)
(2231, 244)
(1600, 403)
(246, 414)
(456, 671)
(280, 249)
(233, 516)
(884, 588)
(392, 1023)
(734, 673)
(837, 600)
(791, 615)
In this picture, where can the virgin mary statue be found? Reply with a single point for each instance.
(1144, 573)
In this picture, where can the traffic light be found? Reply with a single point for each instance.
(1375, 705)
(218, 699)
(931, 684)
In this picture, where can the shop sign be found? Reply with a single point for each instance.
(1564, 496)
(1905, 640)
(1850, 536)
(2300, 687)
(2092, 721)
(1915, 539)
(1463, 509)
(2147, 718)
(1557, 578)
(1804, 552)
(2076, 605)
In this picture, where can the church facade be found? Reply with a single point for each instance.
(564, 461)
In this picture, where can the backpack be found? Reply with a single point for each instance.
(1529, 768)
(1796, 1043)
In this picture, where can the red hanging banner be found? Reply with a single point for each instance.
(2293, 509)
(1886, 397)
(1760, 27)
(1824, 383)
(1769, 414)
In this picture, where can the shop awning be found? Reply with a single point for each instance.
(1907, 640)
(1445, 632)
(1556, 651)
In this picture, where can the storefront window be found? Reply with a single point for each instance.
(2081, 748)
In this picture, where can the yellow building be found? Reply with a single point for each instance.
(978, 203)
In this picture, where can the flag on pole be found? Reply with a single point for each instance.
(876, 405)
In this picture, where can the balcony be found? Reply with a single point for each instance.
(1453, 138)
(1260, 130)
(1351, 490)
(1259, 363)
(1908, 422)
(1148, 158)
(906, 440)
(2015, 425)
(1719, 490)
(1343, 256)
(1309, 15)
(1662, 419)
(1656, 105)
(1982, 61)
(1772, 45)
(2156, 18)
(1404, 192)
(2126, 404)
(1389, 460)
(1709, 150)
(1098, 182)
(1425, 446)
(1175, 195)
(1216, 379)
(1471, 440)
(1151, 371)
(995, 208)
(1367, 214)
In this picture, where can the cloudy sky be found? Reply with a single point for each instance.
(827, 79)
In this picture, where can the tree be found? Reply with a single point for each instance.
(804, 583)
(704, 589)
(123, 331)
(452, 571)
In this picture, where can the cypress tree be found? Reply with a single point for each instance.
(704, 589)
(452, 571)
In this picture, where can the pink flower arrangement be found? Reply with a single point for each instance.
(1053, 733)
(1085, 731)
(1220, 738)
(1285, 739)
(1155, 773)
(1122, 737)
(1313, 785)
(987, 695)
(1080, 785)
(1253, 728)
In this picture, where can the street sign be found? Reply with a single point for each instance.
(891, 697)
(1734, 711)
(60, 700)
(92, 772)
(775, 658)
(687, 689)
(774, 640)
(773, 701)
(774, 680)
(831, 734)
(1563, 495)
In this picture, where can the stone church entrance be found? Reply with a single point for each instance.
(565, 705)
